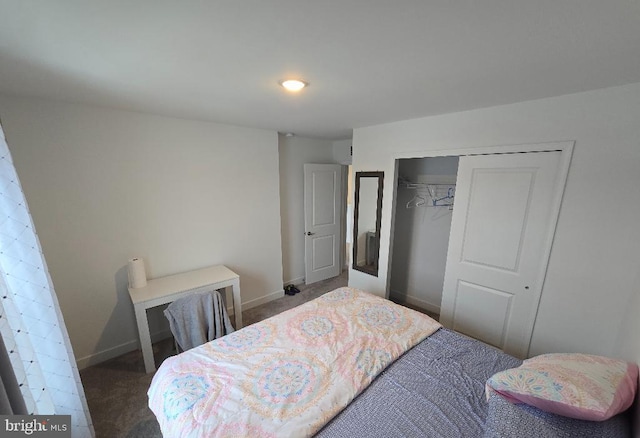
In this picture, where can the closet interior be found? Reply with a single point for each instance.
(425, 201)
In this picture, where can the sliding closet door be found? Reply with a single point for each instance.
(501, 221)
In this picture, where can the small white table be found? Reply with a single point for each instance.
(165, 290)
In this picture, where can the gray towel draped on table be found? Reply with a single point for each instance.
(197, 319)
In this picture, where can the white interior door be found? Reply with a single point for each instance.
(322, 218)
(496, 260)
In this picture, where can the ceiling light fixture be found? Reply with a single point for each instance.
(293, 84)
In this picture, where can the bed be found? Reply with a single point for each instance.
(349, 364)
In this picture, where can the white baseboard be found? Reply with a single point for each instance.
(415, 301)
(295, 281)
(118, 350)
(246, 305)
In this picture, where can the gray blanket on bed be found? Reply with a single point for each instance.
(436, 390)
(197, 319)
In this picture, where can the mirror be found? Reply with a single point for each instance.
(366, 223)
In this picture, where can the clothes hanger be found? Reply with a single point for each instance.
(448, 196)
(418, 201)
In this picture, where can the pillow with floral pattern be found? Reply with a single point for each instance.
(580, 386)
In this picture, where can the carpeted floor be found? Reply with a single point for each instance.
(116, 390)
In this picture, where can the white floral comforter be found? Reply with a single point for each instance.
(288, 375)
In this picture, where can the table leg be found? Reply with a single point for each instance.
(237, 303)
(145, 338)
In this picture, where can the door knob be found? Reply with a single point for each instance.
(309, 233)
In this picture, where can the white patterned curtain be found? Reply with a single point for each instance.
(31, 323)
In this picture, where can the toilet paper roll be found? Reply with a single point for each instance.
(137, 274)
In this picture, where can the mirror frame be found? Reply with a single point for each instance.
(380, 176)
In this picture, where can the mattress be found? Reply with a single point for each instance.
(423, 381)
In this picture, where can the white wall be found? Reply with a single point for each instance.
(593, 267)
(342, 151)
(421, 236)
(294, 152)
(628, 343)
(106, 185)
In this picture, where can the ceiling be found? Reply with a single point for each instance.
(367, 61)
